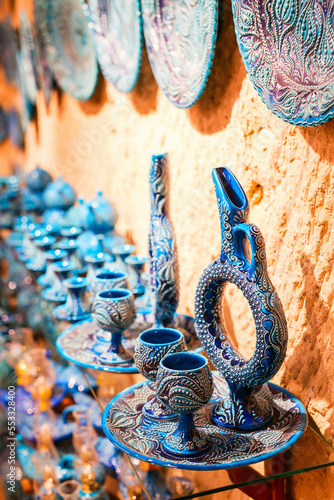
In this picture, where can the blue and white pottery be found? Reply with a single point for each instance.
(243, 410)
(185, 385)
(180, 38)
(136, 265)
(51, 257)
(95, 261)
(38, 263)
(76, 307)
(57, 291)
(99, 214)
(73, 216)
(31, 233)
(121, 252)
(114, 311)
(38, 179)
(151, 347)
(162, 246)
(70, 51)
(59, 194)
(53, 216)
(118, 38)
(71, 232)
(105, 280)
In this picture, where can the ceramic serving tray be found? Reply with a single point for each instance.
(80, 342)
(68, 41)
(125, 426)
(180, 38)
(118, 37)
(287, 48)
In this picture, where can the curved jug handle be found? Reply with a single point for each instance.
(268, 314)
(253, 261)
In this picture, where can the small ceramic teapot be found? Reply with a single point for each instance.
(59, 194)
(38, 179)
(99, 214)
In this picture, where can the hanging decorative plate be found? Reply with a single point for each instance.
(124, 424)
(180, 39)
(63, 25)
(287, 48)
(28, 58)
(9, 48)
(45, 78)
(3, 125)
(116, 26)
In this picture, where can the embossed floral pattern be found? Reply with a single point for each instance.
(117, 30)
(180, 38)
(287, 47)
(125, 426)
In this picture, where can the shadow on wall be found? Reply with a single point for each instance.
(144, 95)
(320, 139)
(213, 111)
(98, 99)
(296, 370)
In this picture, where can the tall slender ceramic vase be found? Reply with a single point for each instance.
(162, 247)
(243, 262)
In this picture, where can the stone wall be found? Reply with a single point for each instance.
(286, 172)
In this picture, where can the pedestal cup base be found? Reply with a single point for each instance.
(112, 358)
(175, 445)
(155, 410)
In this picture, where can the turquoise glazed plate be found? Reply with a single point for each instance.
(28, 57)
(287, 48)
(117, 30)
(124, 424)
(180, 39)
(70, 50)
(44, 75)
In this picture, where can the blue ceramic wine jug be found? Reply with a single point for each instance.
(243, 262)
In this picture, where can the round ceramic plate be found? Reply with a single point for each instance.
(9, 48)
(45, 78)
(117, 29)
(180, 38)
(80, 342)
(28, 58)
(3, 125)
(287, 50)
(63, 25)
(25, 402)
(60, 430)
(124, 425)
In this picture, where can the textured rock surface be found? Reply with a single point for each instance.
(286, 172)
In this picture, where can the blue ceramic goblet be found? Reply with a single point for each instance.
(184, 384)
(114, 312)
(106, 280)
(151, 347)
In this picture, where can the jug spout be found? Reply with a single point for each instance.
(233, 205)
